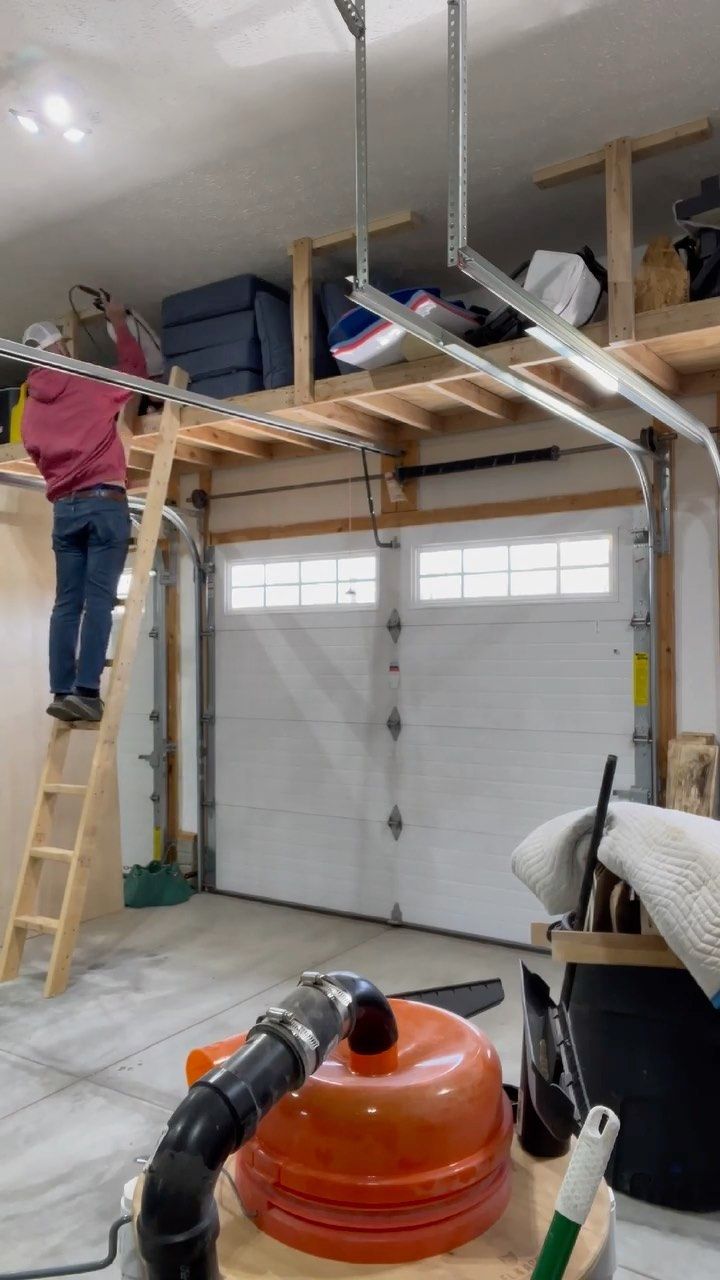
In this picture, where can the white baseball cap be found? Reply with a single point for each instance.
(43, 334)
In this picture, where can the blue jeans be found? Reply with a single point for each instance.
(91, 533)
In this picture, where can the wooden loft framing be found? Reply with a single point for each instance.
(677, 348)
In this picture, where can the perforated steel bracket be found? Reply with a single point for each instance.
(352, 16)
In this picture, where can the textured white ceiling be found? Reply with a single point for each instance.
(222, 129)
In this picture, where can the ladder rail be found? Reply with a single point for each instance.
(38, 848)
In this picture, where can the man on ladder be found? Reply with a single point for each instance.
(69, 429)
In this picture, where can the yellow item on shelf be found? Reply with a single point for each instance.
(16, 415)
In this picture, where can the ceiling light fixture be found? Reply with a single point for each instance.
(606, 381)
(73, 134)
(27, 122)
(57, 109)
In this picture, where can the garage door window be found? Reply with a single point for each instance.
(311, 583)
(550, 568)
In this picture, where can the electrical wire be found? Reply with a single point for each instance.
(78, 317)
(75, 1268)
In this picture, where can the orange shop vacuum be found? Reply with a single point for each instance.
(367, 1130)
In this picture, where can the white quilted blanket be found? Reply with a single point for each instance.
(671, 860)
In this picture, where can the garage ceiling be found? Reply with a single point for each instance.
(223, 129)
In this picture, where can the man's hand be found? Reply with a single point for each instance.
(115, 312)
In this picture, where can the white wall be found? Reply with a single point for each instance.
(698, 614)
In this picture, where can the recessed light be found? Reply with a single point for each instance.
(73, 134)
(57, 109)
(26, 122)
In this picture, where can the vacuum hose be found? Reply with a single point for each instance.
(178, 1223)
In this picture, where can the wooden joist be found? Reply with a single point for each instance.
(399, 410)
(487, 402)
(649, 144)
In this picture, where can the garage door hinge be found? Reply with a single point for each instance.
(394, 724)
(395, 823)
(640, 620)
(642, 739)
(641, 537)
(394, 625)
(639, 795)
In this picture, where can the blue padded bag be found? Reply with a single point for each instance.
(229, 384)
(238, 327)
(275, 331)
(221, 298)
(227, 358)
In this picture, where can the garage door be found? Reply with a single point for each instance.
(512, 680)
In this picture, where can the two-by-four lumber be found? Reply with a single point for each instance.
(303, 319)
(28, 882)
(467, 392)
(619, 216)
(649, 144)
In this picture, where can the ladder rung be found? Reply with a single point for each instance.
(46, 924)
(52, 853)
(65, 788)
(84, 724)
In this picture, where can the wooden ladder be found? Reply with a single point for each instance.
(39, 848)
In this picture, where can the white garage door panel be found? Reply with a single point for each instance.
(508, 712)
(310, 860)
(298, 676)
(308, 778)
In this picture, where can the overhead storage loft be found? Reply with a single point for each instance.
(677, 348)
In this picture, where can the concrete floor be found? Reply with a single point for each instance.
(87, 1080)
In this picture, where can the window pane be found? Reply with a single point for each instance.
(485, 559)
(533, 555)
(288, 572)
(440, 562)
(320, 592)
(480, 586)
(585, 551)
(357, 568)
(447, 588)
(318, 570)
(357, 593)
(284, 596)
(247, 575)
(580, 582)
(537, 582)
(248, 597)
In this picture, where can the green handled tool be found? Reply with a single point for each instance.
(579, 1188)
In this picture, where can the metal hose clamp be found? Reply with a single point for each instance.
(298, 1037)
(339, 998)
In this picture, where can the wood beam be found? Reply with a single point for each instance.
(488, 402)
(250, 430)
(388, 223)
(562, 382)
(596, 500)
(149, 444)
(651, 366)
(399, 410)
(345, 418)
(619, 215)
(650, 144)
(228, 442)
(303, 319)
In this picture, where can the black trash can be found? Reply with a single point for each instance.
(648, 1045)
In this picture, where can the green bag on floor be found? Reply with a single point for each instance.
(159, 884)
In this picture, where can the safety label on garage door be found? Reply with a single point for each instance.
(641, 679)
